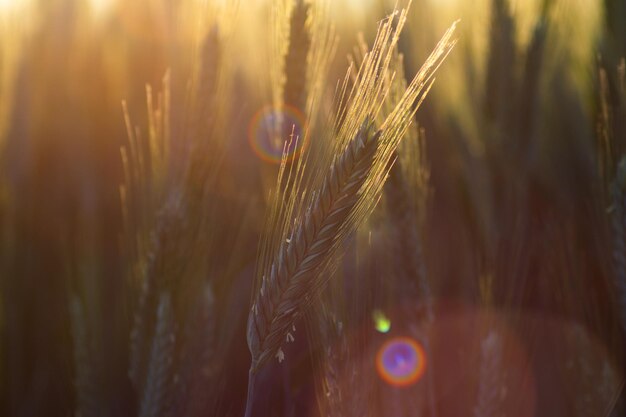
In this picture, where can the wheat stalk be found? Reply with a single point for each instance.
(619, 236)
(346, 197)
(85, 379)
(296, 62)
(302, 48)
(491, 381)
(402, 210)
(156, 398)
(301, 246)
(339, 370)
(499, 86)
(196, 364)
(163, 265)
(297, 274)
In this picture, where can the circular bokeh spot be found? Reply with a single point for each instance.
(274, 132)
(381, 322)
(401, 361)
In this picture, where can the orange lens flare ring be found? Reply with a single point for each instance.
(401, 361)
(273, 132)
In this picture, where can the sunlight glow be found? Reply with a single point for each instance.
(99, 7)
(445, 3)
(15, 13)
(8, 4)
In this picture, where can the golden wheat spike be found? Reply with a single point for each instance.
(294, 276)
(305, 232)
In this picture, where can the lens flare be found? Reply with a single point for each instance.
(401, 362)
(274, 131)
(381, 322)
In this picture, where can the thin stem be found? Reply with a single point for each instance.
(427, 342)
(431, 386)
(249, 401)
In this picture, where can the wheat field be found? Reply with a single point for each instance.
(312, 208)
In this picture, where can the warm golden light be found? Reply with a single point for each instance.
(98, 7)
(445, 3)
(193, 189)
(13, 8)
(7, 4)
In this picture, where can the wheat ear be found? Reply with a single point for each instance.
(85, 377)
(307, 230)
(296, 62)
(406, 242)
(491, 383)
(156, 396)
(196, 364)
(296, 273)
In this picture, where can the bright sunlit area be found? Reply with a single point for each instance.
(101, 7)
(7, 6)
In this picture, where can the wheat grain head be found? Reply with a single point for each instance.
(305, 231)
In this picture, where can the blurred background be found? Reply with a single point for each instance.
(106, 104)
